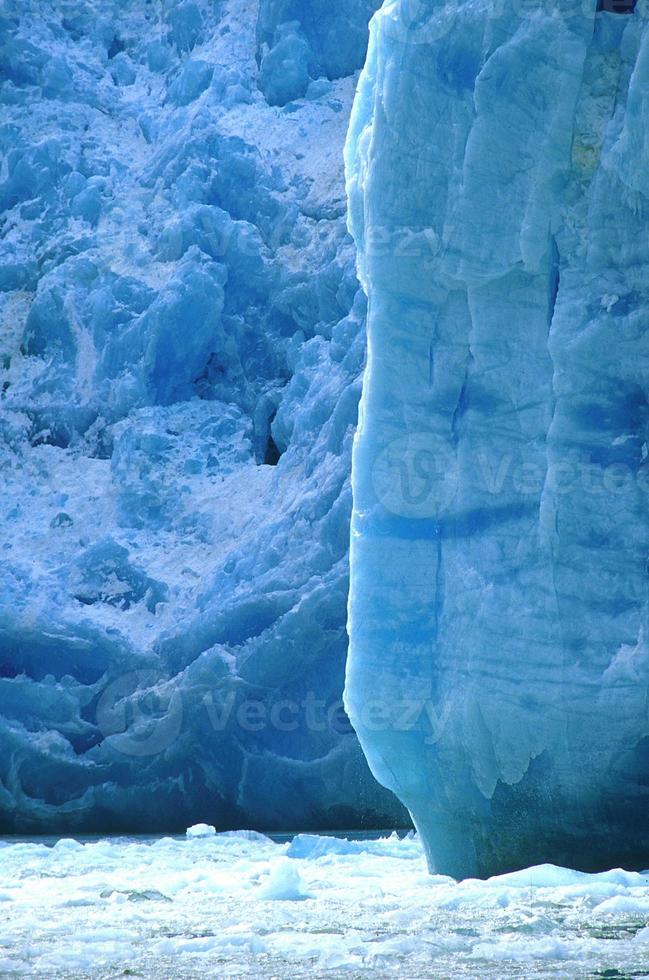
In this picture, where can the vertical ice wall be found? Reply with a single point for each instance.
(497, 167)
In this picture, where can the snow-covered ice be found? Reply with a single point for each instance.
(242, 905)
(181, 344)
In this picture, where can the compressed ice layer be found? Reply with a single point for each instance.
(499, 664)
(181, 339)
(240, 904)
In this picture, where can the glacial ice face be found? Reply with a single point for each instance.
(179, 311)
(499, 664)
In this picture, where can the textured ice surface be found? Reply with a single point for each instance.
(497, 170)
(181, 339)
(239, 905)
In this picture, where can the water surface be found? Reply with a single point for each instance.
(246, 905)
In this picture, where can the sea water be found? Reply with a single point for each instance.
(241, 904)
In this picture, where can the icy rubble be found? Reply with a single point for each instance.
(181, 341)
(243, 905)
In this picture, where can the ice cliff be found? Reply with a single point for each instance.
(499, 193)
(181, 342)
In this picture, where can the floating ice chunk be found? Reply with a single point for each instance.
(284, 883)
(311, 846)
(200, 830)
(539, 949)
(246, 835)
(541, 876)
(628, 904)
(67, 844)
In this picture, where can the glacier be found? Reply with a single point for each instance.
(497, 175)
(181, 346)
